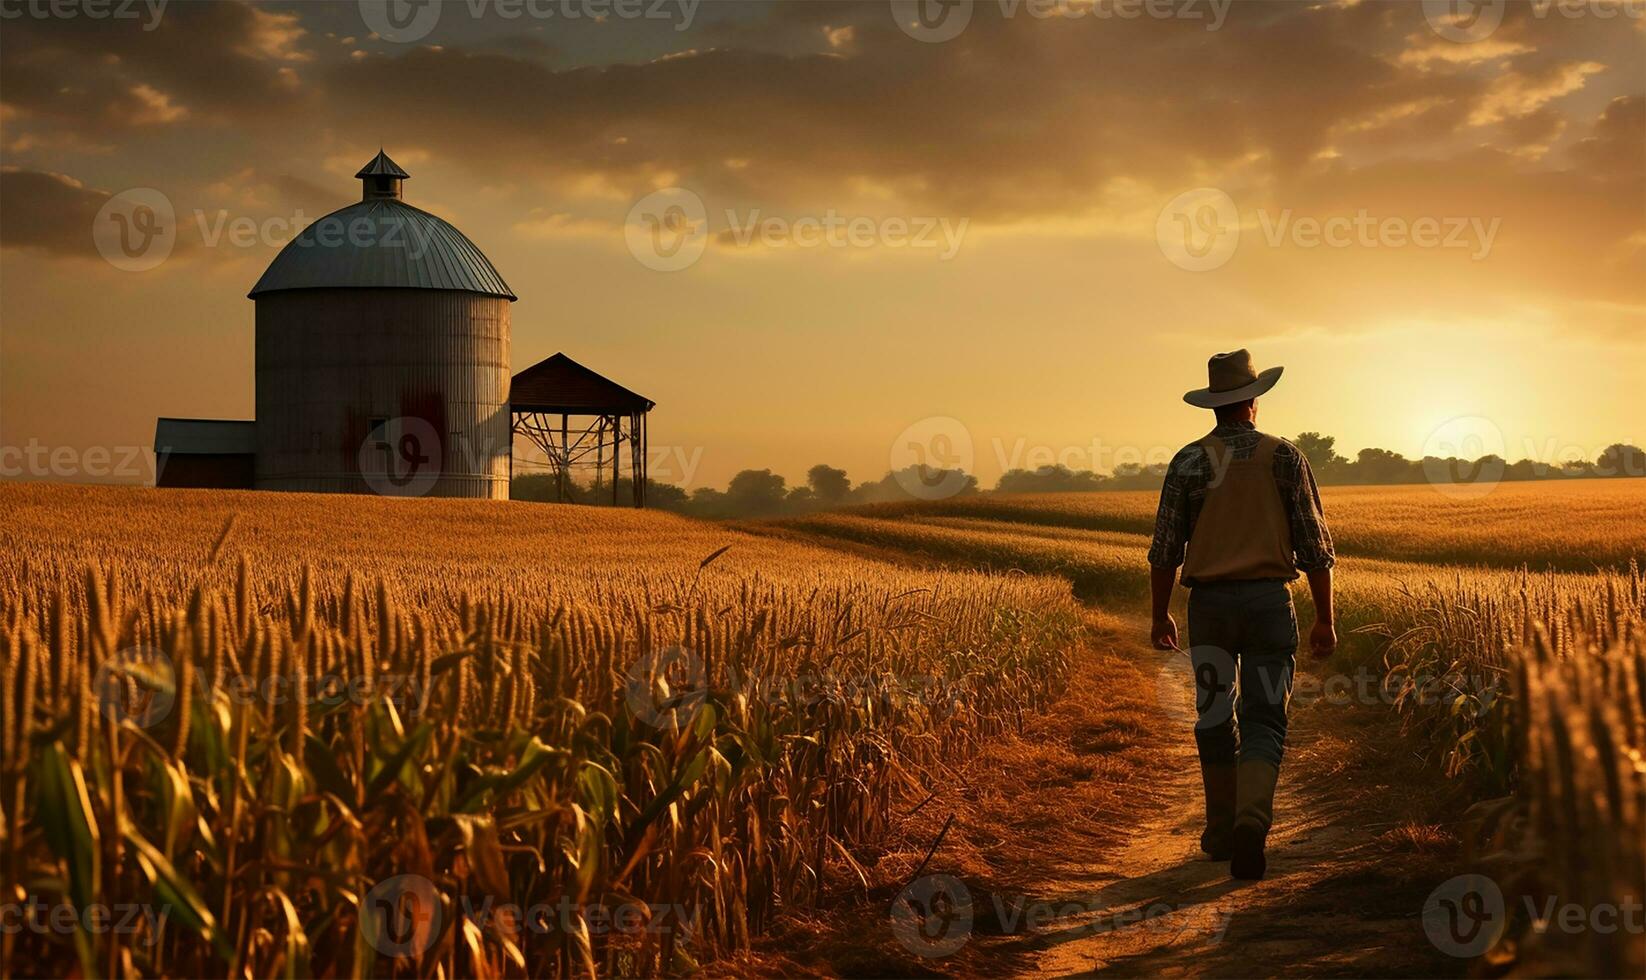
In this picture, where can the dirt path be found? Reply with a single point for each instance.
(1344, 890)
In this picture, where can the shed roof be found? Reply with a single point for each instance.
(205, 436)
(559, 384)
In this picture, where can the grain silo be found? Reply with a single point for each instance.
(383, 355)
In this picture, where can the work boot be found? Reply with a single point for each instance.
(1218, 779)
(1254, 812)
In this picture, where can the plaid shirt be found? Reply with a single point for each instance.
(1185, 491)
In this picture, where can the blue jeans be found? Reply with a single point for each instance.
(1244, 651)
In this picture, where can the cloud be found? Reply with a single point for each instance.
(225, 61)
(1080, 124)
(48, 212)
(1518, 94)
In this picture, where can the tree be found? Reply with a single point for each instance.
(1049, 479)
(753, 492)
(1382, 466)
(828, 484)
(1621, 459)
(1319, 450)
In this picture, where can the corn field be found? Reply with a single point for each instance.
(312, 736)
(1527, 687)
(1545, 710)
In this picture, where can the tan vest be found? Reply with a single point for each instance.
(1242, 532)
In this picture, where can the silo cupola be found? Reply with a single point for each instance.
(381, 178)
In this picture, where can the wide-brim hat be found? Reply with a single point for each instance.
(1230, 379)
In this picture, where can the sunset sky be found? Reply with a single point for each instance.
(1479, 192)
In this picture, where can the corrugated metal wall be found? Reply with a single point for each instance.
(332, 362)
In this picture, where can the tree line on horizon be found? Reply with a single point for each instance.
(762, 493)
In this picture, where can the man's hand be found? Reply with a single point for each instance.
(1323, 639)
(1164, 633)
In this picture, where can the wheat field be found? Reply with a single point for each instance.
(1571, 525)
(360, 737)
(1510, 630)
(355, 736)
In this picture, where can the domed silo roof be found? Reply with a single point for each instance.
(384, 243)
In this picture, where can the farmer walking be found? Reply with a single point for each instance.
(1240, 514)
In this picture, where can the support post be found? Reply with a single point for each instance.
(565, 458)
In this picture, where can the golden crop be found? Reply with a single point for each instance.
(1573, 525)
(1512, 628)
(324, 733)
